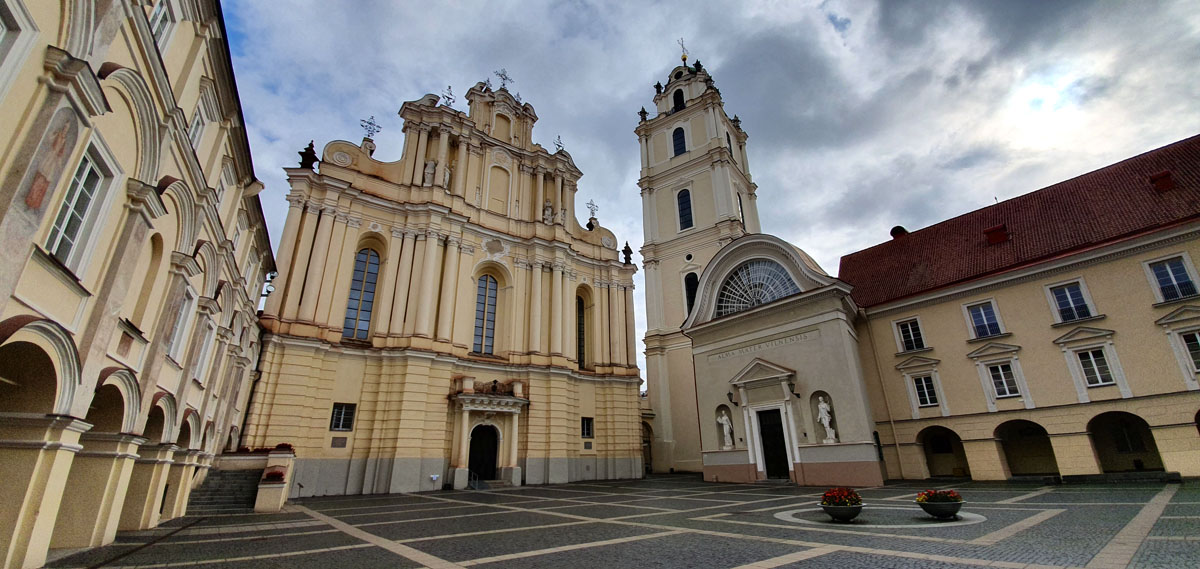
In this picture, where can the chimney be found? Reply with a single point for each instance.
(899, 231)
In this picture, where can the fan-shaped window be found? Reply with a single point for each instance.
(684, 200)
(677, 137)
(757, 282)
(485, 314)
(677, 100)
(362, 295)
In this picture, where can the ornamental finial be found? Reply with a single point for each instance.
(370, 126)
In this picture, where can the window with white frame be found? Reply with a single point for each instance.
(926, 394)
(1070, 302)
(1003, 380)
(1192, 341)
(1172, 278)
(186, 308)
(342, 418)
(587, 427)
(1095, 367)
(78, 213)
(910, 335)
(161, 19)
(984, 322)
(196, 131)
(206, 345)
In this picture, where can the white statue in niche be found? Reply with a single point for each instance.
(825, 418)
(548, 213)
(726, 430)
(446, 178)
(430, 166)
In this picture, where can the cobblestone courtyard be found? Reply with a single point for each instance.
(680, 521)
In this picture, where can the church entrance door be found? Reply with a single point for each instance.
(774, 446)
(485, 442)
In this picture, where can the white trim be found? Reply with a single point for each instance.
(1187, 266)
(915, 402)
(989, 389)
(1083, 289)
(206, 345)
(103, 160)
(788, 437)
(966, 306)
(900, 339)
(183, 322)
(171, 14)
(20, 33)
(1175, 332)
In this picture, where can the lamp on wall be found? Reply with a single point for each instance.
(792, 389)
(729, 395)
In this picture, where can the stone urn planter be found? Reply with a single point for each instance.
(941, 504)
(843, 513)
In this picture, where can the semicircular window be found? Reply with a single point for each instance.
(757, 282)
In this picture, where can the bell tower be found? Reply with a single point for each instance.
(697, 196)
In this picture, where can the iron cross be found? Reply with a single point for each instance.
(504, 78)
(448, 96)
(370, 126)
(592, 207)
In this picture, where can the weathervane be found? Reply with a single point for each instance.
(558, 143)
(448, 97)
(370, 126)
(592, 207)
(683, 48)
(504, 78)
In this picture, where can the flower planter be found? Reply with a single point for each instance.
(941, 510)
(843, 513)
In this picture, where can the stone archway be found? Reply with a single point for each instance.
(1027, 448)
(944, 454)
(485, 452)
(1123, 443)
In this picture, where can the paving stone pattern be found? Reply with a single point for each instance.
(680, 521)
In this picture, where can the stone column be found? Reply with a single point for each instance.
(419, 160)
(439, 175)
(143, 500)
(570, 327)
(540, 198)
(410, 152)
(295, 284)
(1074, 453)
(429, 274)
(337, 283)
(513, 472)
(316, 266)
(179, 483)
(603, 326)
(630, 333)
(559, 204)
(98, 482)
(387, 283)
(461, 476)
(535, 307)
(460, 169)
(404, 275)
(287, 247)
(556, 293)
(985, 459)
(445, 323)
(615, 327)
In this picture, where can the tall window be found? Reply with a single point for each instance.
(926, 396)
(587, 427)
(677, 100)
(362, 295)
(1003, 380)
(1070, 302)
(1173, 279)
(684, 200)
(983, 320)
(485, 314)
(1192, 341)
(910, 335)
(206, 346)
(679, 140)
(197, 129)
(342, 418)
(74, 216)
(186, 308)
(1095, 368)
(690, 282)
(753, 283)
(160, 18)
(580, 331)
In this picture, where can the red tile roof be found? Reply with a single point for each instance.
(1099, 207)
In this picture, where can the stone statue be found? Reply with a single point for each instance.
(446, 178)
(825, 418)
(726, 430)
(658, 87)
(308, 157)
(562, 216)
(430, 166)
(628, 252)
(548, 213)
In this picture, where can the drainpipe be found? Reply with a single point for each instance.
(862, 313)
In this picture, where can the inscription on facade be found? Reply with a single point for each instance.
(777, 342)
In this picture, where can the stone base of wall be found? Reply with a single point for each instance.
(838, 473)
(741, 473)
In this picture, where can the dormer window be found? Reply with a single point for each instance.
(677, 100)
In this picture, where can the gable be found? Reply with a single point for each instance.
(1083, 333)
(917, 362)
(760, 370)
(994, 349)
(1180, 315)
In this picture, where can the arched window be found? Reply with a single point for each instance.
(754, 283)
(581, 331)
(677, 137)
(362, 295)
(690, 282)
(684, 199)
(677, 100)
(485, 314)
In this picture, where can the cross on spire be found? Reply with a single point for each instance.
(592, 207)
(558, 145)
(504, 78)
(370, 126)
(448, 97)
(683, 49)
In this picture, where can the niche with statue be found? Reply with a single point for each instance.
(725, 431)
(825, 417)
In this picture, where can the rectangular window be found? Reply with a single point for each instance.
(159, 19)
(1095, 367)
(186, 308)
(926, 396)
(983, 320)
(910, 335)
(1070, 302)
(1003, 380)
(684, 201)
(1173, 279)
(1192, 341)
(70, 225)
(205, 351)
(197, 128)
(587, 427)
(343, 417)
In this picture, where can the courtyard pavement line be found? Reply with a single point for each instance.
(1123, 546)
(1038, 492)
(782, 560)
(243, 558)
(490, 532)
(717, 518)
(1012, 529)
(563, 548)
(386, 522)
(242, 538)
(430, 561)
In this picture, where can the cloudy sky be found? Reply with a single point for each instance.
(862, 115)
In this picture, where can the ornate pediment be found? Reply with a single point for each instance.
(493, 403)
(1184, 314)
(993, 349)
(1082, 333)
(917, 362)
(761, 370)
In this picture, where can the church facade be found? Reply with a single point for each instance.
(443, 319)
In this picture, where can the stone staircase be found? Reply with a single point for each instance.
(225, 492)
